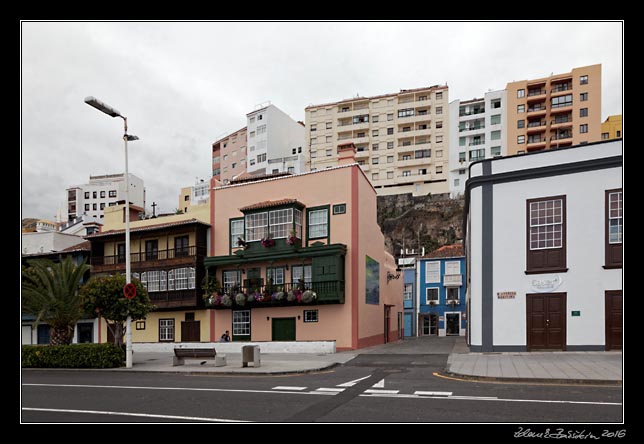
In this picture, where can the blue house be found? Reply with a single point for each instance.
(409, 301)
(441, 291)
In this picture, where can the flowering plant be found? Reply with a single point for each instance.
(226, 301)
(292, 238)
(240, 299)
(309, 296)
(268, 241)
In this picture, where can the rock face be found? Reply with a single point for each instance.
(422, 221)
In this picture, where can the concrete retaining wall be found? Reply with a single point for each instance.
(323, 347)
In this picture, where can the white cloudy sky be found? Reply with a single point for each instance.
(183, 85)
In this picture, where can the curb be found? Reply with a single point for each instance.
(196, 373)
(560, 381)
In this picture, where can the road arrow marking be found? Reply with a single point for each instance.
(352, 383)
(379, 384)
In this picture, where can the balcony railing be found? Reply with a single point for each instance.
(452, 280)
(173, 298)
(471, 112)
(471, 128)
(559, 121)
(562, 87)
(300, 293)
(536, 108)
(156, 255)
(477, 142)
(536, 124)
(561, 136)
(536, 92)
(536, 140)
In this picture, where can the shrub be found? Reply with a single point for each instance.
(73, 356)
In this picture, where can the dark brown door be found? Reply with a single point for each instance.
(190, 331)
(546, 319)
(614, 320)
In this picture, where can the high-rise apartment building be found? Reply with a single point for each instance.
(194, 195)
(275, 142)
(271, 142)
(102, 191)
(229, 156)
(477, 131)
(555, 111)
(612, 127)
(401, 138)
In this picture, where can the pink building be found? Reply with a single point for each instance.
(301, 257)
(229, 156)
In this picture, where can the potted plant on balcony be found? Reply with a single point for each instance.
(268, 241)
(432, 303)
(292, 238)
(309, 296)
(240, 299)
(226, 301)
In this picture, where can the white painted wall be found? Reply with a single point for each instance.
(137, 193)
(47, 242)
(585, 281)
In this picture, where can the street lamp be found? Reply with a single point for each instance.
(92, 101)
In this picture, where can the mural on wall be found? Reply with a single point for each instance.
(372, 283)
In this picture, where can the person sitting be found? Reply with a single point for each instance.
(225, 337)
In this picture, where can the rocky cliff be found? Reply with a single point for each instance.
(422, 221)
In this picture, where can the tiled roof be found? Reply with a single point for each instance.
(85, 245)
(148, 228)
(270, 204)
(454, 250)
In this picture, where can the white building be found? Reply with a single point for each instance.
(275, 142)
(48, 241)
(102, 191)
(476, 132)
(544, 250)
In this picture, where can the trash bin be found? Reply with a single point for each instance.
(250, 355)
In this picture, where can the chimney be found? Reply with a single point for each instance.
(346, 154)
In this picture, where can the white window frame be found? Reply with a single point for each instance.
(318, 229)
(408, 292)
(433, 272)
(280, 222)
(171, 280)
(453, 290)
(311, 316)
(432, 290)
(230, 279)
(304, 272)
(452, 267)
(256, 226)
(277, 274)
(236, 230)
(241, 322)
(181, 279)
(549, 233)
(166, 330)
(619, 218)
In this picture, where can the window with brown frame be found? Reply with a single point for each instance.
(546, 235)
(614, 224)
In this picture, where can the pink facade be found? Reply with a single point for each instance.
(229, 156)
(324, 240)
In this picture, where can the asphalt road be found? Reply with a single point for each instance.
(370, 388)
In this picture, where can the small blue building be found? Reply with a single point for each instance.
(441, 292)
(409, 301)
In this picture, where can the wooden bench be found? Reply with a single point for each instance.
(203, 354)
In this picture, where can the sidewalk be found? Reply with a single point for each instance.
(270, 363)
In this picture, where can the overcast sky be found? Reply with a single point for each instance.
(184, 85)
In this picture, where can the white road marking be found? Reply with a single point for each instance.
(329, 390)
(420, 392)
(141, 415)
(382, 392)
(352, 383)
(288, 387)
(174, 388)
(379, 384)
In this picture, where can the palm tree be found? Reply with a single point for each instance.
(50, 292)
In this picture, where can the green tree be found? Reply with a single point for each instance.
(50, 293)
(103, 296)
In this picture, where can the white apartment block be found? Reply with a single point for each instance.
(275, 142)
(401, 138)
(102, 191)
(477, 132)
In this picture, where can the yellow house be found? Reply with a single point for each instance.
(612, 127)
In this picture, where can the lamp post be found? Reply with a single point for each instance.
(104, 108)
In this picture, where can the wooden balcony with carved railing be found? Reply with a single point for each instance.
(150, 259)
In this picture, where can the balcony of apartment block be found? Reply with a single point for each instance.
(536, 142)
(470, 113)
(412, 132)
(362, 153)
(561, 121)
(147, 259)
(561, 88)
(476, 142)
(471, 129)
(536, 93)
(353, 124)
(414, 177)
(537, 109)
(365, 166)
(406, 146)
(536, 126)
(412, 162)
(560, 136)
(414, 103)
(352, 112)
(557, 109)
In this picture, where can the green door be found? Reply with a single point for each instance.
(283, 329)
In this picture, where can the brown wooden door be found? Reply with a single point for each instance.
(614, 320)
(546, 319)
(190, 331)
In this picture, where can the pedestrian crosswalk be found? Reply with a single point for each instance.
(376, 389)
